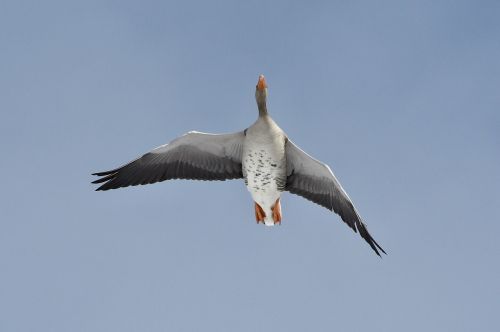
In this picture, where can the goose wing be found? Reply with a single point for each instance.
(193, 156)
(314, 180)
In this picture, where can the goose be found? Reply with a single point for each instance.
(263, 155)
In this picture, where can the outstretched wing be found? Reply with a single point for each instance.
(193, 156)
(313, 180)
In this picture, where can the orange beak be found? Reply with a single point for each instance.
(261, 84)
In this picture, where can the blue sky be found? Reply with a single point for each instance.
(400, 99)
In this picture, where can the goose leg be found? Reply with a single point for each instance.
(277, 212)
(259, 214)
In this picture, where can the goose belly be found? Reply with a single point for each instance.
(263, 178)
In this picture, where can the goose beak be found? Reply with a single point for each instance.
(261, 84)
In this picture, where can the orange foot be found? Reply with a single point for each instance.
(259, 214)
(277, 212)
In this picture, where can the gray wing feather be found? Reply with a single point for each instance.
(313, 180)
(194, 156)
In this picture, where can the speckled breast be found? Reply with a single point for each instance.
(263, 171)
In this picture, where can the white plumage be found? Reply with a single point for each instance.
(262, 154)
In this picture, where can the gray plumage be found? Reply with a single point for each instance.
(262, 154)
(193, 156)
(314, 180)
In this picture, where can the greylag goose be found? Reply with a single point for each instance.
(268, 161)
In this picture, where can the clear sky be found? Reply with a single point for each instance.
(401, 99)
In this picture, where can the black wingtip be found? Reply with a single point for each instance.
(363, 231)
(104, 187)
(104, 177)
(379, 248)
(99, 188)
(382, 250)
(106, 172)
(375, 245)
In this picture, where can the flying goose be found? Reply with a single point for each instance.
(267, 160)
